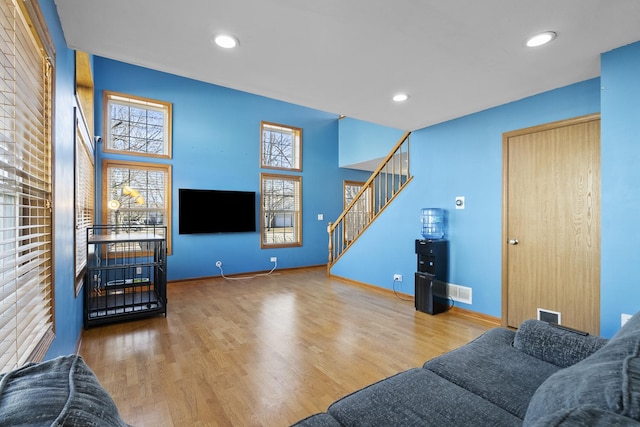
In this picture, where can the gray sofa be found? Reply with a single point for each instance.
(541, 375)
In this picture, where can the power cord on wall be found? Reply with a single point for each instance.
(397, 294)
(219, 265)
(452, 303)
(451, 300)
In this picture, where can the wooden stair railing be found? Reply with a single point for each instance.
(385, 183)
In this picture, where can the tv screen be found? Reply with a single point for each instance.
(216, 211)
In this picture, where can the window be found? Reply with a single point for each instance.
(136, 195)
(360, 214)
(84, 171)
(26, 249)
(84, 184)
(280, 147)
(281, 206)
(137, 125)
(281, 195)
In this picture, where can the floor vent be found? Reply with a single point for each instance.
(459, 293)
(549, 316)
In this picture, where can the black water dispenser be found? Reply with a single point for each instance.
(432, 276)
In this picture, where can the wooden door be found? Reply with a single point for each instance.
(551, 223)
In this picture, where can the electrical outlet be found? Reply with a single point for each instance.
(274, 259)
(218, 264)
(397, 277)
(623, 318)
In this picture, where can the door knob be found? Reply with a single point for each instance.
(513, 241)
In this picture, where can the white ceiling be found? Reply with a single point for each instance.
(453, 57)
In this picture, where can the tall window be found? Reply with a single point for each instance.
(84, 162)
(137, 125)
(84, 184)
(280, 147)
(137, 194)
(26, 276)
(281, 206)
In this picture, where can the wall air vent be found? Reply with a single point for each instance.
(459, 293)
(549, 316)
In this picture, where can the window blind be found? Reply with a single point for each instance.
(281, 210)
(26, 292)
(84, 177)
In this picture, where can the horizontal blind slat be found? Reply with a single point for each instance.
(25, 187)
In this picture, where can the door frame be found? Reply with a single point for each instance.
(505, 193)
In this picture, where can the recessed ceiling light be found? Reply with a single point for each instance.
(541, 38)
(401, 97)
(226, 41)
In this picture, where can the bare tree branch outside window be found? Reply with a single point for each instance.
(137, 196)
(281, 210)
(138, 126)
(140, 194)
(280, 146)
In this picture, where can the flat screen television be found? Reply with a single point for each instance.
(216, 211)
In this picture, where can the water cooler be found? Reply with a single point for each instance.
(432, 276)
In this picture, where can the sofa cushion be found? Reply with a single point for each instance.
(418, 397)
(555, 345)
(608, 380)
(492, 368)
(59, 392)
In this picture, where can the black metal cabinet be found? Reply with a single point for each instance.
(126, 273)
(432, 276)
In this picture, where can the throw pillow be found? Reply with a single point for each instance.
(554, 345)
(585, 416)
(608, 380)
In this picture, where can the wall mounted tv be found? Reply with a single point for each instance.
(216, 211)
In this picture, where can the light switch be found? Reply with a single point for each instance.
(320, 217)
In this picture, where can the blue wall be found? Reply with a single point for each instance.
(367, 141)
(216, 145)
(620, 185)
(68, 308)
(441, 173)
(216, 132)
(462, 157)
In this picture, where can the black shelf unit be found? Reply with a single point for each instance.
(432, 276)
(126, 275)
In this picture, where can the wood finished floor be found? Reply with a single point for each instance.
(264, 352)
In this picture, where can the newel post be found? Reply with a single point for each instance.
(330, 258)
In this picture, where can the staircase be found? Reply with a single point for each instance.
(386, 182)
